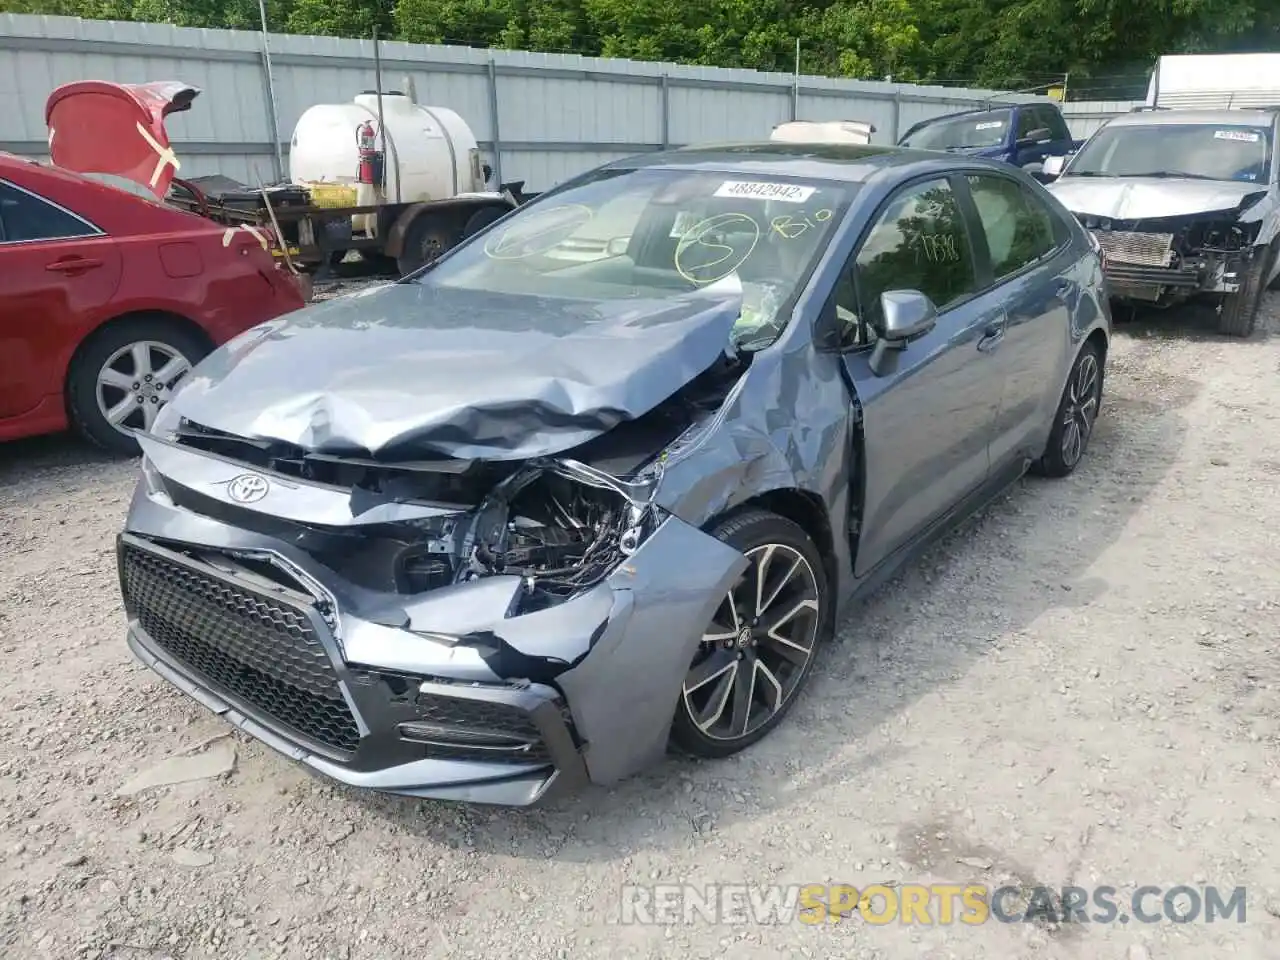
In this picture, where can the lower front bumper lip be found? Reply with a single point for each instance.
(428, 778)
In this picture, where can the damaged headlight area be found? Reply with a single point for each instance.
(560, 525)
(1164, 262)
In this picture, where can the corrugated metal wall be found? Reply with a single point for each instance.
(556, 115)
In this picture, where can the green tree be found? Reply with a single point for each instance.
(995, 43)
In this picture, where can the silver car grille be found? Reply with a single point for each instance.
(1145, 249)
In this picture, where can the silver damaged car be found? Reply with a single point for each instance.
(521, 520)
(1185, 204)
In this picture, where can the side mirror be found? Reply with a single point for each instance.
(907, 315)
(1052, 167)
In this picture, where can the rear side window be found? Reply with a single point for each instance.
(26, 217)
(1018, 227)
(918, 243)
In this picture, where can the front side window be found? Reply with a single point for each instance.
(658, 233)
(1029, 119)
(1055, 123)
(26, 217)
(1018, 228)
(988, 129)
(1199, 151)
(918, 243)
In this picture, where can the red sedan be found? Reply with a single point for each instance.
(108, 299)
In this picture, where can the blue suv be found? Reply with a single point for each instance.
(1023, 134)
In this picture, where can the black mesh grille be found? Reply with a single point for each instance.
(259, 648)
(478, 718)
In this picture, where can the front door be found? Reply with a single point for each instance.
(55, 270)
(927, 424)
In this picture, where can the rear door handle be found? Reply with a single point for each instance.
(67, 266)
(992, 334)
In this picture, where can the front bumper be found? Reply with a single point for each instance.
(440, 695)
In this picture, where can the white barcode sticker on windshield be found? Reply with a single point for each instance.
(1244, 136)
(756, 190)
(990, 125)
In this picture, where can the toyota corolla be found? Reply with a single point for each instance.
(521, 521)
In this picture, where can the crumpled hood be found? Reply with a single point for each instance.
(1143, 198)
(407, 371)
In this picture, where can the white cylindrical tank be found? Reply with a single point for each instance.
(431, 153)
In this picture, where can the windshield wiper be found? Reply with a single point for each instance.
(1172, 175)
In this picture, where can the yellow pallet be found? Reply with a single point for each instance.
(332, 194)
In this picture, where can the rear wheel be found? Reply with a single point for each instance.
(1077, 411)
(1238, 316)
(756, 654)
(426, 239)
(125, 374)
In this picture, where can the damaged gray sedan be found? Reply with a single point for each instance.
(606, 475)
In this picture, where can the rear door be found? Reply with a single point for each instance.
(927, 424)
(58, 271)
(1025, 246)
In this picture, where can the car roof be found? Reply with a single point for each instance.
(843, 162)
(1234, 118)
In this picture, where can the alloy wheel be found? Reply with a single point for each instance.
(136, 381)
(1080, 409)
(755, 652)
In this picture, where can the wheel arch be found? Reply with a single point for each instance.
(454, 212)
(186, 323)
(1099, 339)
(804, 508)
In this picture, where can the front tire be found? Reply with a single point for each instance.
(125, 374)
(757, 652)
(1239, 312)
(1076, 414)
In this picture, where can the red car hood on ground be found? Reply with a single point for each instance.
(117, 129)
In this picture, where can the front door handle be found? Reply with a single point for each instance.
(992, 334)
(70, 266)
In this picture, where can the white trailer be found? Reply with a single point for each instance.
(1223, 81)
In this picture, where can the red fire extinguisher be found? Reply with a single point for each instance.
(367, 149)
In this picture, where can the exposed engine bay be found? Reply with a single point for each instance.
(1167, 261)
(561, 524)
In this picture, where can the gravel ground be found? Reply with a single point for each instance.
(1081, 687)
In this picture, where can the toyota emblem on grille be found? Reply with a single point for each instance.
(247, 488)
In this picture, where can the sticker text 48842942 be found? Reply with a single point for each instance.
(758, 190)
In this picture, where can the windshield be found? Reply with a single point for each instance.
(662, 234)
(1198, 150)
(976, 130)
